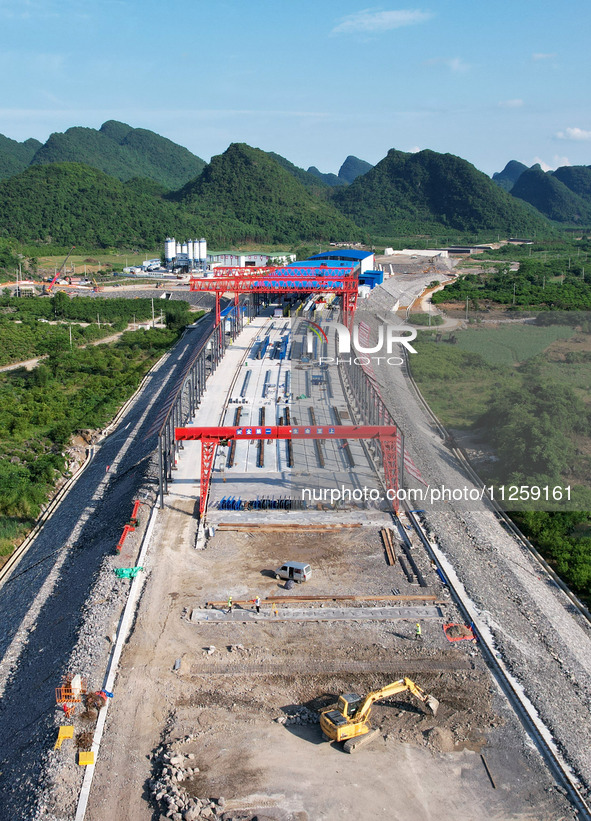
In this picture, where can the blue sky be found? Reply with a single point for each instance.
(313, 80)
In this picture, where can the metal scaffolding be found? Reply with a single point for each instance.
(185, 397)
(372, 410)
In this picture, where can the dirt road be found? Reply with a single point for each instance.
(42, 605)
(218, 712)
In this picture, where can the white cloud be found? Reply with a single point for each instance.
(415, 149)
(540, 56)
(560, 161)
(455, 64)
(375, 22)
(517, 103)
(545, 166)
(557, 162)
(576, 134)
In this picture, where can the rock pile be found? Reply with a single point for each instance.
(301, 716)
(172, 768)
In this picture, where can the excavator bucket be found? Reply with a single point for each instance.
(432, 705)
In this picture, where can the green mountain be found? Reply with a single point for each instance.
(123, 152)
(73, 204)
(328, 179)
(310, 181)
(255, 198)
(507, 178)
(577, 178)
(413, 193)
(552, 198)
(352, 168)
(15, 156)
(312, 178)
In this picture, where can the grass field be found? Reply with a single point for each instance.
(510, 344)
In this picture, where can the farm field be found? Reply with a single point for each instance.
(517, 400)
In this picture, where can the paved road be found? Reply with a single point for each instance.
(41, 604)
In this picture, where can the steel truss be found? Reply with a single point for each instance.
(371, 410)
(186, 397)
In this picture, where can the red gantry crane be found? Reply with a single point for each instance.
(387, 436)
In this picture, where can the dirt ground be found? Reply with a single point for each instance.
(226, 732)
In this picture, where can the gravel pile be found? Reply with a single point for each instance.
(174, 771)
(545, 643)
(301, 716)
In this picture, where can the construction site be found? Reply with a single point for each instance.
(270, 631)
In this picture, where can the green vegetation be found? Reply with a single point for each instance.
(15, 156)
(564, 539)
(254, 198)
(430, 320)
(535, 423)
(511, 344)
(72, 390)
(8, 258)
(25, 332)
(551, 197)
(352, 168)
(27, 338)
(507, 178)
(69, 204)
(123, 152)
(559, 284)
(428, 192)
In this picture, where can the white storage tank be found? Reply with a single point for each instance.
(169, 249)
(202, 250)
(190, 250)
(184, 248)
(179, 249)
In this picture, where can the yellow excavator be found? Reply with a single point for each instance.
(349, 722)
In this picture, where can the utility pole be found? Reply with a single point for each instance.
(70, 335)
(466, 309)
(152, 313)
(514, 293)
(98, 319)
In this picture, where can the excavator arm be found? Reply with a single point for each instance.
(400, 686)
(349, 721)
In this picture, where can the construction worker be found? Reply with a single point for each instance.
(257, 603)
(275, 611)
(418, 633)
(230, 604)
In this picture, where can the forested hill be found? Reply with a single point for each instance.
(316, 180)
(73, 204)
(15, 156)
(122, 152)
(427, 191)
(352, 168)
(552, 197)
(577, 178)
(247, 190)
(507, 178)
(313, 182)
